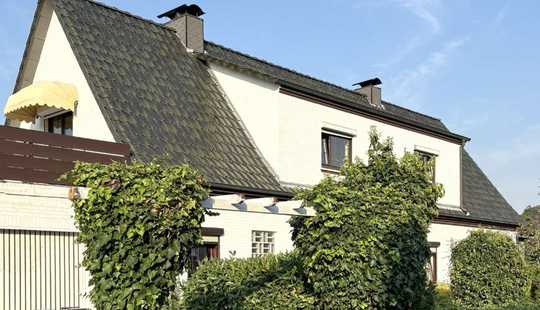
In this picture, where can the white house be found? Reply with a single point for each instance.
(251, 127)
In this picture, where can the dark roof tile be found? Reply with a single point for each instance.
(158, 98)
(481, 198)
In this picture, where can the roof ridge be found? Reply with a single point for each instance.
(285, 68)
(413, 111)
(129, 14)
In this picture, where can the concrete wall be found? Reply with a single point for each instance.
(287, 130)
(56, 62)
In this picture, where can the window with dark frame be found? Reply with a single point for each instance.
(60, 124)
(427, 157)
(208, 249)
(335, 150)
(431, 268)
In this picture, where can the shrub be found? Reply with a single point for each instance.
(366, 247)
(530, 230)
(525, 306)
(443, 298)
(138, 224)
(487, 268)
(534, 274)
(263, 282)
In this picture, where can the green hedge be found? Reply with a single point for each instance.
(366, 247)
(261, 283)
(138, 224)
(487, 268)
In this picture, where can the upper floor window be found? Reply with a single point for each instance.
(60, 124)
(426, 158)
(336, 149)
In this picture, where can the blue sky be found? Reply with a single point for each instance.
(474, 64)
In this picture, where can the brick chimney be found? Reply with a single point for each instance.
(187, 21)
(370, 89)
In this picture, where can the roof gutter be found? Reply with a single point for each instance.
(255, 192)
(313, 95)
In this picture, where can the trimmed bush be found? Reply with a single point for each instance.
(487, 268)
(530, 230)
(366, 247)
(138, 225)
(263, 282)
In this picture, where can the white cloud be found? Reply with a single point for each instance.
(424, 9)
(409, 85)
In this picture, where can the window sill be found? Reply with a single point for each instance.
(330, 170)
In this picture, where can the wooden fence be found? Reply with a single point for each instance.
(35, 156)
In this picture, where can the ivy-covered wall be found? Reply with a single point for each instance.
(138, 223)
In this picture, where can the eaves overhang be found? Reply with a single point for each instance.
(378, 114)
(348, 106)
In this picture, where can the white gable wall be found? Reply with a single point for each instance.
(57, 62)
(287, 130)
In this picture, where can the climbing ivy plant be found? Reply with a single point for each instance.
(138, 225)
(366, 247)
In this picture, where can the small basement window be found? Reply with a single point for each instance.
(426, 158)
(262, 242)
(335, 150)
(60, 124)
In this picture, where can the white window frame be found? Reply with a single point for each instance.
(265, 244)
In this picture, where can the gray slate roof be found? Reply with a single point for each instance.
(158, 98)
(164, 102)
(481, 198)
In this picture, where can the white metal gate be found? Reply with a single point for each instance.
(40, 270)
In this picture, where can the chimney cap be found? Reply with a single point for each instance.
(371, 82)
(191, 9)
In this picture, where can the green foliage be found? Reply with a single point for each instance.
(261, 283)
(487, 268)
(443, 298)
(138, 224)
(521, 306)
(530, 229)
(534, 274)
(366, 247)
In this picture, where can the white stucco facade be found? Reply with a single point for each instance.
(448, 235)
(287, 130)
(57, 62)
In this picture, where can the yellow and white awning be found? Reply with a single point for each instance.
(25, 104)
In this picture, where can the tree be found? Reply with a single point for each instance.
(487, 268)
(138, 223)
(529, 232)
(366, 247)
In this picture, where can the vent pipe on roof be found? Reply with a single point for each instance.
(370, 89)
(187, 21)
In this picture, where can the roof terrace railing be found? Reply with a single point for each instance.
(42, 157)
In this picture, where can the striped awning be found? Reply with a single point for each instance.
(25, 104)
